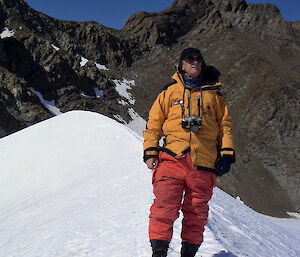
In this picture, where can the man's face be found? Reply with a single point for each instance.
(191, 65)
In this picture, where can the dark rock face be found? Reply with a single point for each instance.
(256, 51)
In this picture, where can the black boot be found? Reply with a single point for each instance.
(188, 250)
(159, 248)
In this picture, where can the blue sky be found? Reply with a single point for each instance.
(114, 13)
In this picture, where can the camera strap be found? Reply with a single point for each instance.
(182, 104)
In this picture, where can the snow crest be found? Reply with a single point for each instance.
(76, 185)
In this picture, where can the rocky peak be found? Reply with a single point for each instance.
(166, 27)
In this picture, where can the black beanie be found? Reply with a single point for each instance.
(188, 52)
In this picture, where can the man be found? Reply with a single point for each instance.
(192, 117)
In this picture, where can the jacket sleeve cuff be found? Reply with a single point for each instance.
(228, 153)
(150, 152)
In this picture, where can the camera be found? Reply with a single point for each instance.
(192, 123)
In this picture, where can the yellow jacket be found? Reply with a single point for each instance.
(212, 141)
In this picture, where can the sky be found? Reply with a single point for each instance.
(75, 185)
(114, 13)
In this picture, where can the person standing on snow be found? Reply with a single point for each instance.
(192, 117)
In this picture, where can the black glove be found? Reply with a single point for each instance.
(223, 166)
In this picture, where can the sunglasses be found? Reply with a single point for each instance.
(191, 59)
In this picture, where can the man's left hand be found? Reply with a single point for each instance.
(223, 166)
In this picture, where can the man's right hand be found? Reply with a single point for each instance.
(152, 163)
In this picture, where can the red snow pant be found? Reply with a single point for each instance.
(172, 180)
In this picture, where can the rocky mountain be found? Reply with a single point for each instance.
(80, 65)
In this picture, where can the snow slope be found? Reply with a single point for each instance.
(75, 185)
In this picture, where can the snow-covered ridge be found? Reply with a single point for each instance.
(75, 183)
